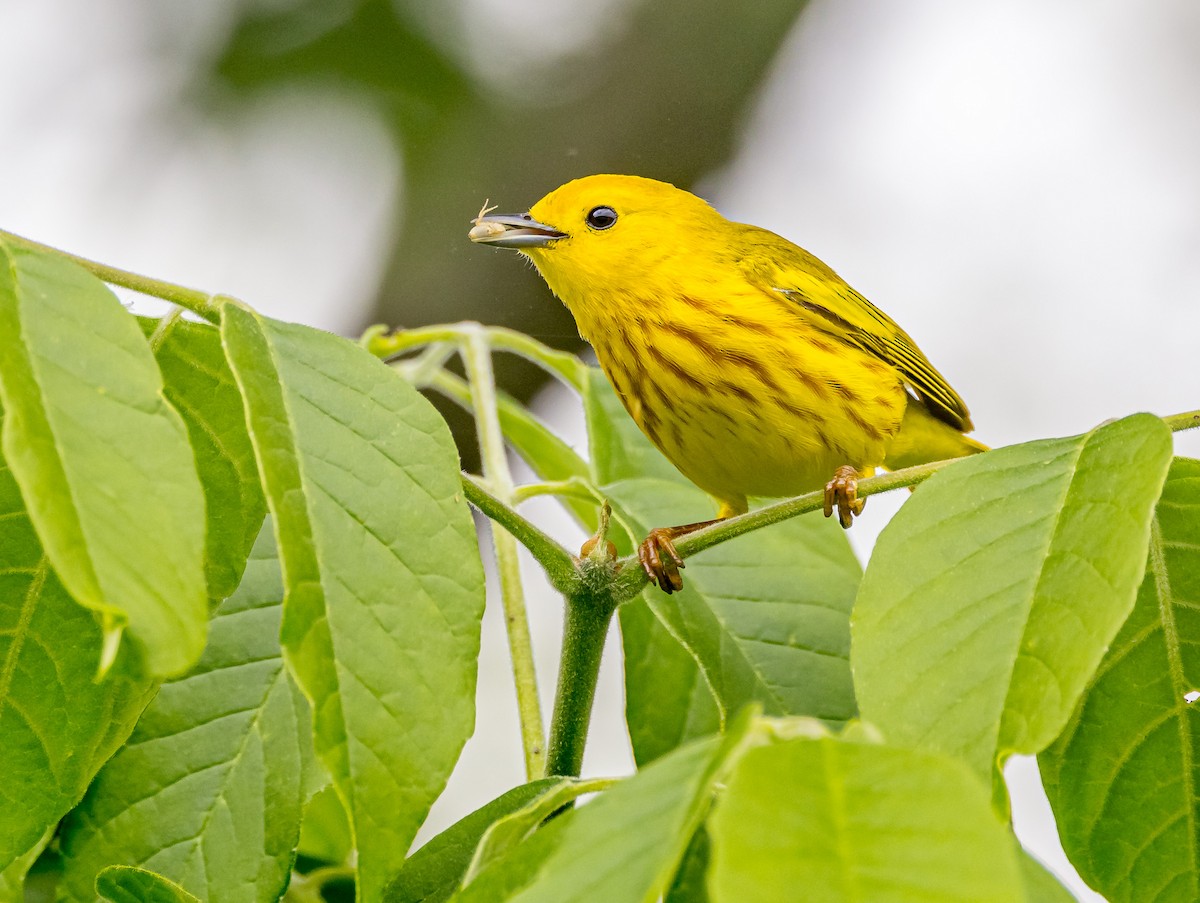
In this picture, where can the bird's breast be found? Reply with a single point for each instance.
(744, 404)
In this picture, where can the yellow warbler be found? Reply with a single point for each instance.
(751, 365)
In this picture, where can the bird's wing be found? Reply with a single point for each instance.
(830, 304)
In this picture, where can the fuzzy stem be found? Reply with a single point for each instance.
(574, 487)
(427, 366)
(1188, 420)
(585, 628)
(164, 328)
(801, 504)
(198, 302)
(560, 564)
(560, 364)
(631, 579)
(478, 360)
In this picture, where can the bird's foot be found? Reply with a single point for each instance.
(659, 558)
(842, 493)
(660, 561)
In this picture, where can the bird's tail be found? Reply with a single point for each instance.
(924, 438)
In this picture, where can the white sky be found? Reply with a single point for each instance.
(1015, 181)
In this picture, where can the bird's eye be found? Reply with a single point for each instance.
(601, 217)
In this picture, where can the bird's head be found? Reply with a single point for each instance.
(603, 234)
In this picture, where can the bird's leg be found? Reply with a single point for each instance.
(659, 559)
(842, 492)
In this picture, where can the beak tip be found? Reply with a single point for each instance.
(518, 232)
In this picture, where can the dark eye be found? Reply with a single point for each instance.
(601, 217)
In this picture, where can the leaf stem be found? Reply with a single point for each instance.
(201, 303)
(573, 487)
(1188, 420)
(377, 340)
(164, 328)
(561, 364)
(560, 564)
(427, 366)
(801, 504)
(477, 358)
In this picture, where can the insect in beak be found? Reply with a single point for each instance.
(511, 230)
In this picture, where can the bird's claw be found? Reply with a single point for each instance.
(842, 493)
(660, 561)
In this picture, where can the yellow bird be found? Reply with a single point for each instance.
(747, 361)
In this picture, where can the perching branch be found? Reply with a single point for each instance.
(632, 579)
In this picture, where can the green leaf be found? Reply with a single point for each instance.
(200, 386)
(626, 844)
(690, 884)
(1122, 778)
(58, 724)
(851, 822)
(992, 595)
(667, 699)
(208, 790)
(123, 884)
(510, 830)
(434, 872)
(12, 877)
(324, 831)
(102, 459)
(1041, 886)
(382, 571)
(766, 616)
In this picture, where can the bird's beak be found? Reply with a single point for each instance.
(509, 230)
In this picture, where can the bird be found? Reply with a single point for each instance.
(751, 365)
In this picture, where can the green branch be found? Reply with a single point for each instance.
(585, 628)
(589, 610)
(632, 579)
(561, 364)
(573, 487)
(1189, 420)
(801, 504)
(201, 303)
(560, 565)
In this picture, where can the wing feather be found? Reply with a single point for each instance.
(830, 304)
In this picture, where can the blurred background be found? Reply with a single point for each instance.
(1015, 181)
